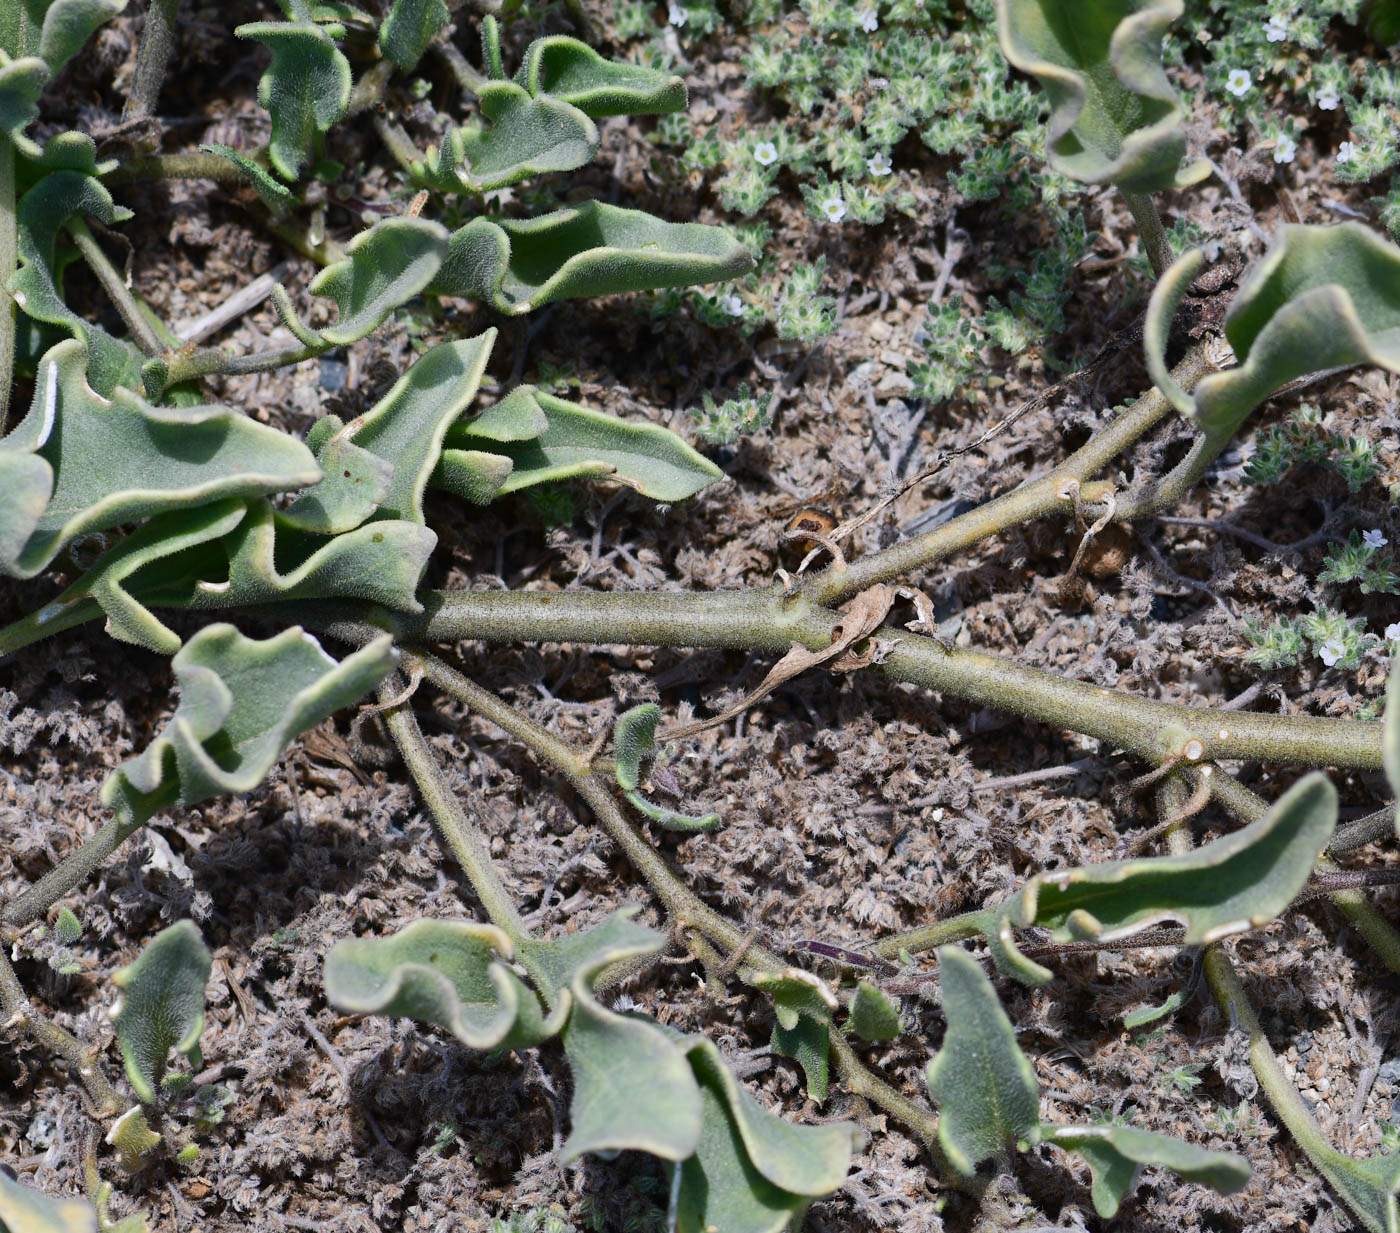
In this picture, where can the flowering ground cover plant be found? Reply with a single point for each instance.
(440, 794)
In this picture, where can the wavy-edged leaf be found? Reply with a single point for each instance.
(305, 89)
(275, 195)
(95, 463)
(570, 70)
(753, 1172)
(135, 1141)
(355, 484)
(408, 29)
(241, 702)
(69, 150)
(1390, 735)
(26, 1210)
(633, 1085)
(384, 267)
(586, 250)
(803, 1004)
(986, 1090)
(579, 442)
(37, 284)
(1320, 298)
(1116, 1154)
(162, 1004)
(1115, 116)
(873, 1016)
(526, 137)
(1369, 1188)
(635, 739)
(22, 81)
(449, 973)
(1236, 883)
(516, 417)
(66, 25)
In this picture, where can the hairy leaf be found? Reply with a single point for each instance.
(578, 442)
(1115, 116)
(1117, 1153)
(1390, 735)
(275, 195)
(449, 973)
(986, 1091)
(526, 137)
(241, 702)
(26, 1210)
(753, 1172)
(586, 250)
(1369, 1188)
(570, 70)
(65, 25)
(132, 1136)
(305, 89)
(22, 81)
(802, 1007)
(355, 484)
(384, 267)
(635, 739)
(79, 462)
(408, 29)
(873, 1016)
(517, 417)
(1239, 882)
(37, 284)
(162, 1004)
(1320, 298)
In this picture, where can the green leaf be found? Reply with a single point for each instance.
(1239, 882)
(526, 137)
(65, 151)
(384, 267)
(65, 25)
(986, 1090)
(635, 739)
(449, 973)
(1150, 1014)
(586, 250)
(132, 1136)
(808, 1043)
(22, 81)
(305, 89)
(633, 1086)
(408, 29)
(1390, 735)
(162, 1004)
(275, 195)
(753, 1172)
(1116, 1154)
(37, 284)
(241, 702)
(26, 1210)
(79, 462)
(802, 1007)
(873, 1016)
(355, 484)
(574, 72)
(1115, 117)
(1368, 1187)
(1320, 298)
(579, 442)
(517, 417)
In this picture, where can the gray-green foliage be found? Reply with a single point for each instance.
(26, 1210)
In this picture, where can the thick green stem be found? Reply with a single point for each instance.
(9, 262)
(152, 57)
(191, 166)
(1360, 911)
(931, 936)
(1033, 499)
(1149, 225)
(115, 286)
(213, 360)
(456, 830)
(1165, 491)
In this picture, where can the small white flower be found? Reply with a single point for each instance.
(1374, 539)
(834, 209)
(676, 15)
(1285, 149)
(1328, 98)
(732, 304)
(869, 20)
(1392, 632)
(1331, 651)
(1346, 152)
(1238, 82)
(765, 153)
(879, 164)
(1276, 29)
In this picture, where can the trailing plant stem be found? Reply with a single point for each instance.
(188, 166)
(152, 57)
(1149, 225)
(115, 286)
(9, 262)
(938, 933)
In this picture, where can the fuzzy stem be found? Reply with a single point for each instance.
(456, 830)
(214, 360)
(198, 165)
(1360, 911)
(1033, 499)
(930, 937)
(1149, 225)
(9, 262)
(152, 57)
(16, 1011)
(115, 286)
(1165, 491)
